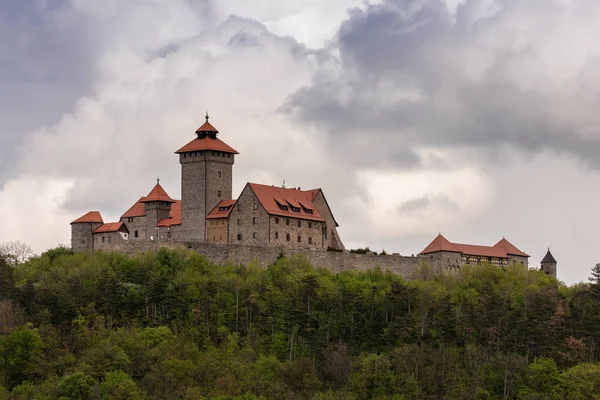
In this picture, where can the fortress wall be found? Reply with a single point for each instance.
(404, 266)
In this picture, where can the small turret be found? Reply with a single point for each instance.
(548, 264)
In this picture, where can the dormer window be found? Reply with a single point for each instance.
(295, 209)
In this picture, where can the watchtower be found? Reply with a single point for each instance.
(548, 264)
(157, 206)
(82, 231)
(206, 179)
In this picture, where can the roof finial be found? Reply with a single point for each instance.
(206, 116)
(283, 184)
(157, 180)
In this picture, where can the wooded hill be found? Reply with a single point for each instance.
(172, 325)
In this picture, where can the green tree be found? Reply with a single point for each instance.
(117, 385)
(77, 386)
(20, 354)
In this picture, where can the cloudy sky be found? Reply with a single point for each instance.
(476, 118)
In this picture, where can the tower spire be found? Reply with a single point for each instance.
(206, 116)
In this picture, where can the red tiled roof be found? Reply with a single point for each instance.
(269, 196)
(136, 210)
(217, 213)
(502, 249)
(440, 243)
(157, 194)
(509, 248)
(109, 227)
(174, 215)
(207, 127)
(92, 216)
(206, 143)
(476, 250)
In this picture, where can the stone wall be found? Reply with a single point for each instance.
(308, 231)
(217, 230)
(82, 236)
(331, 237)
(248, 218)
(406, 267)
(136, 224)
(519, 260)
(155, 211)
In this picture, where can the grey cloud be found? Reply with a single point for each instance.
(415, 206)
(45, 66)
(408, 76)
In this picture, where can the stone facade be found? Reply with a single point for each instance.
(156, 211)
(82, 236)
(206, 179)
(330, 235)
(137, 228)
(293, 233)
(218, 230)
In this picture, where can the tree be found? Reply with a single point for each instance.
(15, 252)
(77, 386)
(19, 354)
(595, 281)
(118, 385)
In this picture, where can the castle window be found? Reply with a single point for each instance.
(276, 220)
(219, 174)
(255, 220)
(184, 155)
(309, 240)
(255, 235)
(213, 153)
(276, 235)
(83, 242)
(109, 239)
(214, 238)
(219, 194)
(255, 206)
(299, 239)
(135, 233)
(220, 237)
(239, 207)
(239, 236)
(299, 224)
(295, 209)
(287, 221)
(287, 237)
(169, 234)
(102, 239)
(239, 221)
(310, 224)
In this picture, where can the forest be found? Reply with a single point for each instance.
(172, 325)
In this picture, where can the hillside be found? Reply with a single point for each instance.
(172, 325)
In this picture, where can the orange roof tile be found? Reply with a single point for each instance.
(509, 248)
(207, 127)
(92, 216)
(110, 227)
(218, 213)
(157, 194)
(206, 143)
(502, 249)
(269, 196)
(476, 250)
(136, 210)
(440, 243)
(174, 215)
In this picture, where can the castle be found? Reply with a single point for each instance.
(263, 221)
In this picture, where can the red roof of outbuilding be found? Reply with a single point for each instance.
(109, 227)
(440, 243)
(509, 248)
(92, 216)
(218, 213)
(269, 196)
(174, 215)
(502, 249)
(157, 194)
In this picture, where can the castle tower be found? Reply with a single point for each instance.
(82, 229)
(549, 264)
(206, 179)
(157, 206)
